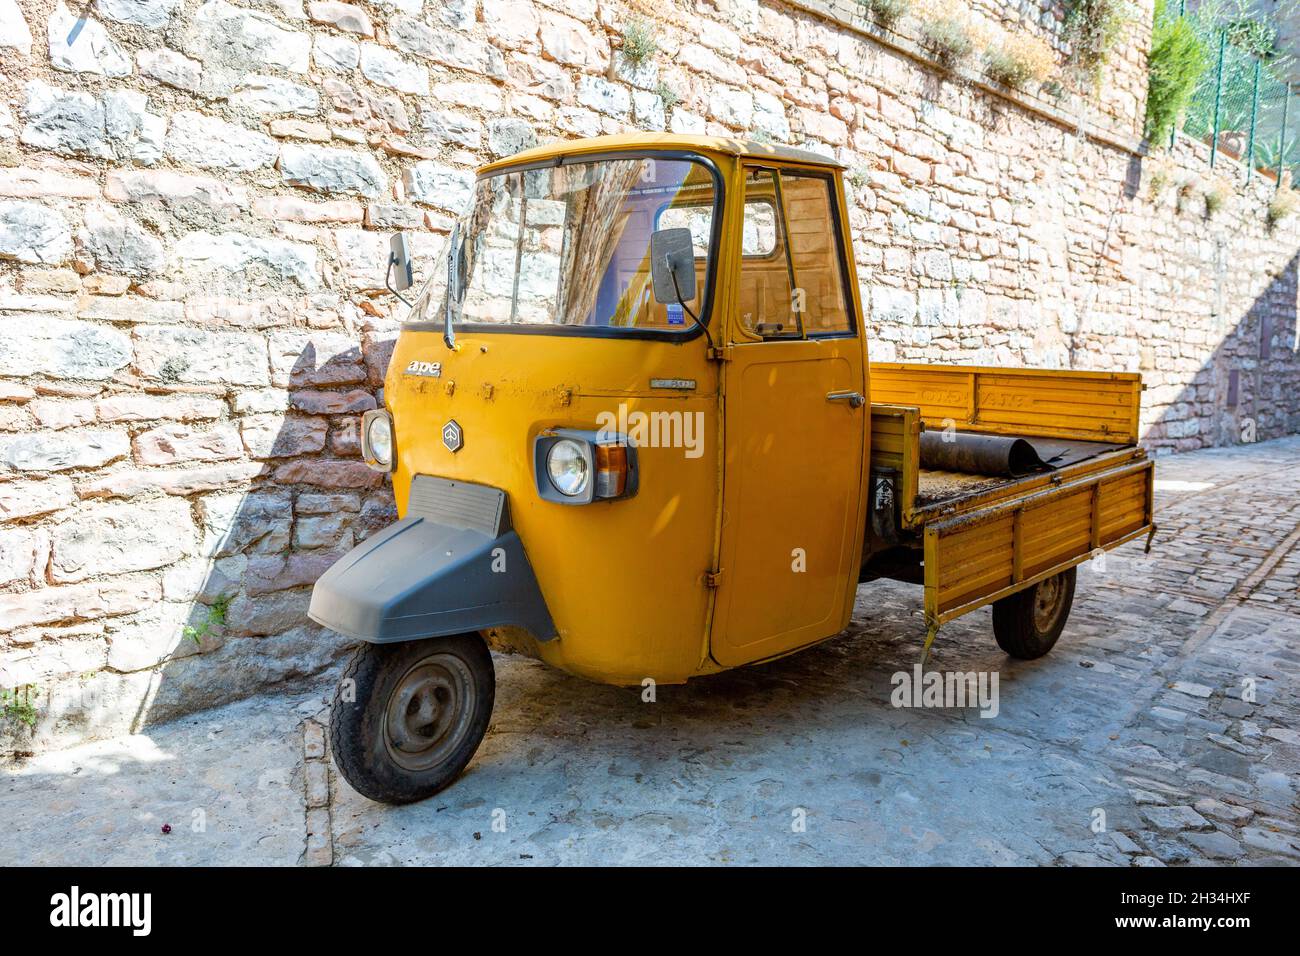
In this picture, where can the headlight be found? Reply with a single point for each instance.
(377, 439)
(381, 441)
(576, 467)
(566, 466)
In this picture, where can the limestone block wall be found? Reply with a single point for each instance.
(195, 197)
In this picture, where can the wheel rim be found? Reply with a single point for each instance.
(1049, 596)
(429, 712)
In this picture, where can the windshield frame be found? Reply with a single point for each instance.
(435, 323)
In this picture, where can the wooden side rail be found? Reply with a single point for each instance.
(1048, 403)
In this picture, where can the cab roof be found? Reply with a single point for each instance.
(745, 148)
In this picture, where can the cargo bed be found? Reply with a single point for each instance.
(978, 538)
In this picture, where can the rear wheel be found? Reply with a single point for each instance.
(407, 718)
(1028, 623)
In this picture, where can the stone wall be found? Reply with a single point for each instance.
(194, 200)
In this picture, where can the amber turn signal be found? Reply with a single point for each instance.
(611, 471)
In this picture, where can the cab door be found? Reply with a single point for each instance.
(795, 423)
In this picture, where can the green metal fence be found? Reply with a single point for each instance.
(1243, 108)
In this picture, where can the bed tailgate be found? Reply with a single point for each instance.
(981, 555)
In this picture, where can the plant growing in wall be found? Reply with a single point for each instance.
(947, 33)
(17, 704)
(1216, 197)
(1019, 60)
(215, 617)
(1161, 177)
(885, 13)
(640, 43)
(1092, 28)
(667, 96)
(1283, 204)
(1175, 65)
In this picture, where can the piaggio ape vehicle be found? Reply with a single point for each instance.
(629, 434)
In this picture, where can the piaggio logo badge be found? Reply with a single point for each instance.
(452, 436)
(424, 369)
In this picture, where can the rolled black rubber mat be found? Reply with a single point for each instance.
(1004, 456)
(976, 454)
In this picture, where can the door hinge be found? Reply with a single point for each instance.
(720, 353)
(713, 579)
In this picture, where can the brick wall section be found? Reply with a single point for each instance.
(194, 201)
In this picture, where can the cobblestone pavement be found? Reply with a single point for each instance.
(1162, 730)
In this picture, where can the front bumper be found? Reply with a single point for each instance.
(453, 565)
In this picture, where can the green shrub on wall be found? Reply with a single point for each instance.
(1092, 27)
(1177, 61)
(1283, 204)
(1018, 60)
(885, 13)
(947, 32)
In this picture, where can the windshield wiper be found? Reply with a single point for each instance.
(453, 293)
(519, 256)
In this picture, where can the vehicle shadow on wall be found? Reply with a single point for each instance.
(243, 628)
(1247, 390)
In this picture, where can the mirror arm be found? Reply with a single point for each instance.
(388, 280)
(682, 302)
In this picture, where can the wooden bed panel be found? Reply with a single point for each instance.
(1054, 403)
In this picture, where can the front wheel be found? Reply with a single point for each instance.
(1027, 623)
(407, 718)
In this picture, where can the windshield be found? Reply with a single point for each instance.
(569, 246)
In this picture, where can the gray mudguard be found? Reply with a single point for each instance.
(451, 566)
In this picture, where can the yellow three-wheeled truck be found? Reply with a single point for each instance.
(632, 431)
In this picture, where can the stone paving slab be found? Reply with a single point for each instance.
(227, 781)
(1162, 730)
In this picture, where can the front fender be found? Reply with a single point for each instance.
(449, 569)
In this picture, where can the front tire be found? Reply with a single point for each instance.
(1028, 623)
(407, 718)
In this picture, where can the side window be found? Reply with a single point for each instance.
(791, 276)
(766, 276)
(759, 237)
(814, 249)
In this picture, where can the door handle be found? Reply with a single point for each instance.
(854, 399)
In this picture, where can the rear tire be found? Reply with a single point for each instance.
(1028, 623)
(407, 718)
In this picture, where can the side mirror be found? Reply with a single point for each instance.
(401, 274)
(672, 265)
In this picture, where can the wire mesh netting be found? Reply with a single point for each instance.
(1243, 108)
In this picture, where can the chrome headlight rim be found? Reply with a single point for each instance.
(380, 459)
(575, 455)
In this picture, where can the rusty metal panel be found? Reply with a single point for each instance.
(1057, 403)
